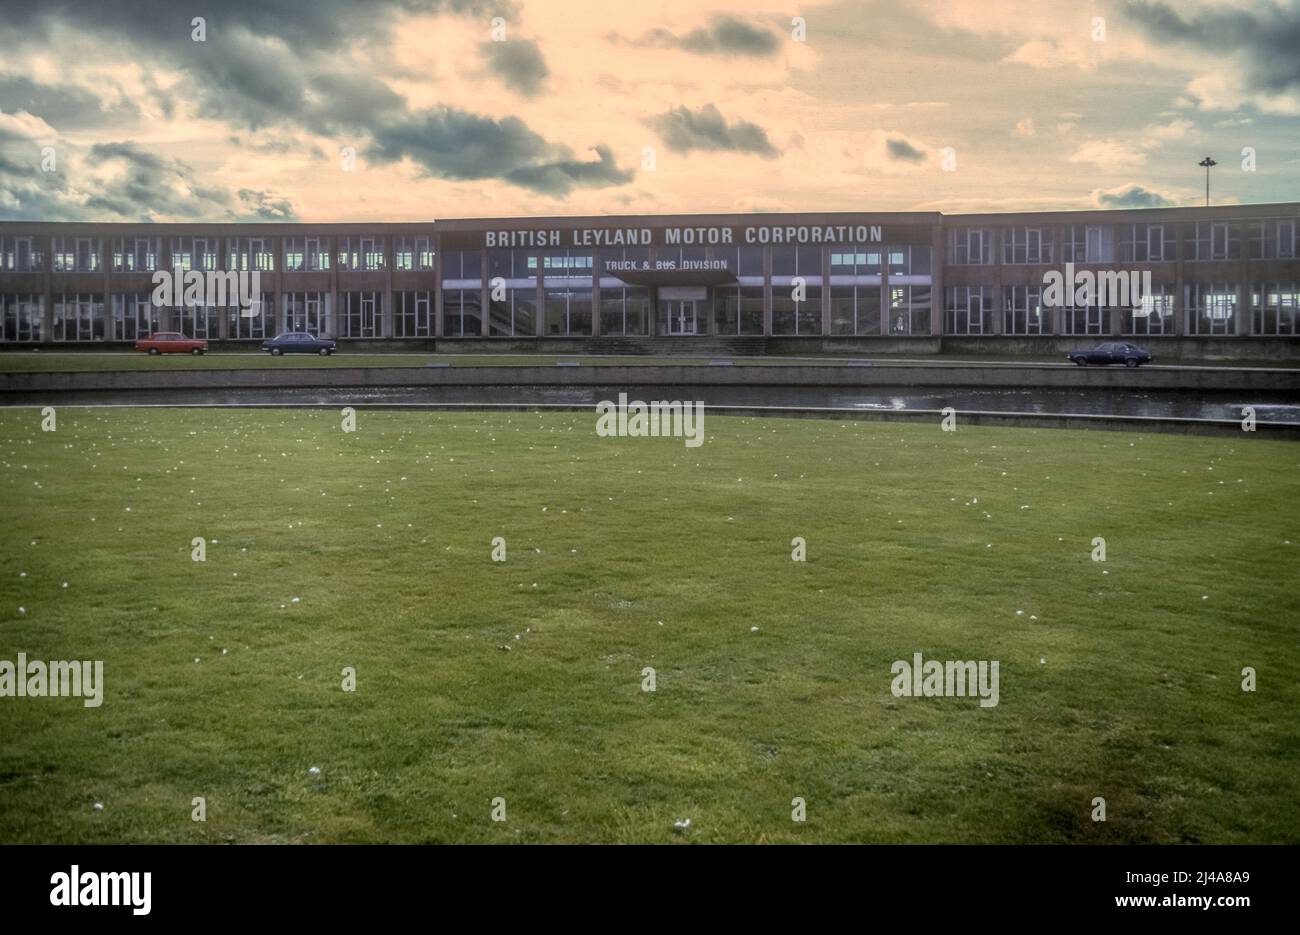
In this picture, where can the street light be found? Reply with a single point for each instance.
(1207, 162)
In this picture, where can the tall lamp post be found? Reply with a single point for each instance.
(1207, 162)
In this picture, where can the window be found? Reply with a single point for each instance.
(968, 310)
(250, 253)
(1153, 315)
(568, 266)
(1145, 243)
(306, 312)
(1273, 308)
(909, 260)
(1027, 245)
(361, 253)
(413, 253)
(76, 255)
(241, 326)
(1023, 311)
(22, 317)
(1215, 240)
(1211, 308)
(136, 254)
(738, 309)
(306, 254)
(567, 312)
(198, 321)
(970, 246)
(797, 311)
(194, 253)
(134, 316)
(462, 313)
(855, 310)
(624, 310)
(79, 317)
(412, 314)
(359, 315)
(21, 255)
(857, 261)
(1088, 243)
(909, 310)
(1272, 240)
(466, 264)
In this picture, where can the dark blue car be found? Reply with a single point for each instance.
(299, 342)
(1112, 352)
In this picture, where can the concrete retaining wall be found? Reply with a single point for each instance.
(979, 375)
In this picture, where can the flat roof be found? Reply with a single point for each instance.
(755, 219)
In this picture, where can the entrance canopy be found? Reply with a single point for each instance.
(674, 277)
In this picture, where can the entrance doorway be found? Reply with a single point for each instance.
(681, 316)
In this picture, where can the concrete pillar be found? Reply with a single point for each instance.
(938, 298)
(886, 324)
(106, 305)
(1180, 300)
(436, 304)
(539, 318)
(595, 293)
(767, 292)
(47, 285)
(1243, 303)
(826, 291)
(483, 328)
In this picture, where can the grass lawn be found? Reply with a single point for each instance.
(1119, 679)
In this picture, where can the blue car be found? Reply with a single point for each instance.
(1113, 352)
(299, 342)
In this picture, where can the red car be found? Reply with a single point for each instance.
(171, 342)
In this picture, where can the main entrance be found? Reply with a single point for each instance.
(680, 314)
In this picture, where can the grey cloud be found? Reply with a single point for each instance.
(684, 130)
(725, 35)
(63, 106)
(242, 76)
(1262, 37)
(152, 186)
(901, 150)
(450, 143)
(263, 206)
(1130, 196)
(519, 63)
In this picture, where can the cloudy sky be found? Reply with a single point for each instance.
(466, 108)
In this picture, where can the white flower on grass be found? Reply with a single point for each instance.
(294, 601)
(314, 771)
(753, 629)
(98, 806)
(682, 825)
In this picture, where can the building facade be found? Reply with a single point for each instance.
(1228, 275)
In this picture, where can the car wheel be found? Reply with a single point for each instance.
(1130, 361)
(1080, 361)
(195, 351)
(276, 352)
(324, 352)
(153, 350)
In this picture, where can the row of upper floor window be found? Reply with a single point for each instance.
(1271, 239)
(846, 259)
(84, 254)
(1080, 243)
